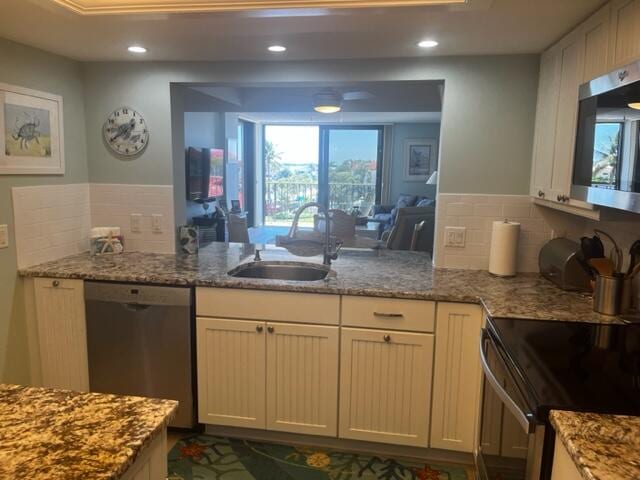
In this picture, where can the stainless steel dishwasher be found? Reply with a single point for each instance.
(140, 342)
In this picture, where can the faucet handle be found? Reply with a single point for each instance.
(257, 257)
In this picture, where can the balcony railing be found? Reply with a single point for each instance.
(282, 199)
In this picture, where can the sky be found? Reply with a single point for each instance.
(299, 144)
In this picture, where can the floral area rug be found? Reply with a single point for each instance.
(205, 457)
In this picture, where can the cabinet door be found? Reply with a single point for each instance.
(385, 386)
(302, 379)
(545, 131)
(231, 372)
(457, 377)
(624, 45)
(596, 39)
(62, 333)
(571, 74)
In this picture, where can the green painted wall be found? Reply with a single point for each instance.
(28, 67)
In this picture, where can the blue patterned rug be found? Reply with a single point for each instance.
(205, 457)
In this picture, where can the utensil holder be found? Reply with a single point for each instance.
(608, 294)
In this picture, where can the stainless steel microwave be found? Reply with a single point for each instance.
(606, 167)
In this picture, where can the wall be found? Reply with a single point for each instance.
(487, 120)
(31, 68)
(401, 133)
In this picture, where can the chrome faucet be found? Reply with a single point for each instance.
(329, 253)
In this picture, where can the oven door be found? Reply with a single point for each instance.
(510, 441)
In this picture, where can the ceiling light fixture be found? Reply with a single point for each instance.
(137, 49)
(427, 44)
(277, 49)
(635, 105)
(327, 102)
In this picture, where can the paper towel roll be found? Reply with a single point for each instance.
(503, 256)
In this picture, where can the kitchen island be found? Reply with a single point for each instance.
(373, 273)
(59, 434)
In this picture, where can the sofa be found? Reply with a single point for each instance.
(413, 205)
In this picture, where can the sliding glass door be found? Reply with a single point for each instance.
(338, 166)
(350, 167)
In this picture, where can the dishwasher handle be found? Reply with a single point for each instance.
(135, 307)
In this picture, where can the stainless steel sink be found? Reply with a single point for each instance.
(295, 271)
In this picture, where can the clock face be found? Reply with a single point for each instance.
(126, 132)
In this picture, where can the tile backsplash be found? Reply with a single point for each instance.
(52, 222)
(113, 204)
(477, 213)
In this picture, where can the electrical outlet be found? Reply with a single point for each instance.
(156, 223)
(4, 236)
(455, 236)
(136, 222)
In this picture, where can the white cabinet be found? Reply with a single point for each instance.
(61, 332)
(385, 386)
(596, 39)
(563, 466)
(624, 36)
(231, 372)
(457, 377)
(302, 379)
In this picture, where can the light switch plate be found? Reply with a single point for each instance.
(455, 236)
(156, 223)
(136, 222)
(4, 236)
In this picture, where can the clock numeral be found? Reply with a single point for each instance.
(125, 111)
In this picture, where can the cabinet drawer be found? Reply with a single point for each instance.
(268, 305)
(388, 313)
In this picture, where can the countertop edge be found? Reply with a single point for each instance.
(584, 471)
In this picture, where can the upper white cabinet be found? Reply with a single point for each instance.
(624, 36)
(457, 377)
(61, 332)
(608, 39)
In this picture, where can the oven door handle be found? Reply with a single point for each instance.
(523, 419)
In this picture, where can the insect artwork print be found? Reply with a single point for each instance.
(27, 131)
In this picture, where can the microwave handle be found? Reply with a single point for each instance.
(522, 418)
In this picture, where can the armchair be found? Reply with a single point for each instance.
(404, 235)
(386, 215)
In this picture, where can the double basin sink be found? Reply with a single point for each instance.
(292, 271)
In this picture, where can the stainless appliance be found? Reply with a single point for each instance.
(607, 156)
(531, 367)
(558, 262)
(140, 342)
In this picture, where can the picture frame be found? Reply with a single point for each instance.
(420, 159)
(31, 132)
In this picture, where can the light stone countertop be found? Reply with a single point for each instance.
(603, 447)
(381, 273)
(63, 435)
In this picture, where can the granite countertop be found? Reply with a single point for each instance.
(603, 447)
(384, 273)
(59, 434)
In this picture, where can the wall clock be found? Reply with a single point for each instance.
(126, 132)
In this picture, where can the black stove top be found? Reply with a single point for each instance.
(577, 366)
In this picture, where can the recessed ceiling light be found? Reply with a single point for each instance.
(428, 44)
(277, 49)
(137, 49)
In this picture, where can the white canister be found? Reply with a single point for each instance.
(503, 256)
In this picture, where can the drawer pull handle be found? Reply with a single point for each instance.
(56, 283)
(388, 315)
(270, 329)
(259, 329)
(387, 338)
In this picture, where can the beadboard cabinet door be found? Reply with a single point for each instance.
(231, 372)
(62, 333)
(302, 379)
(457, 377)
(596, 38)
(385, 386)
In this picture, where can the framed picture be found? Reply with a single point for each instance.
(31, 132)
(420, 159)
